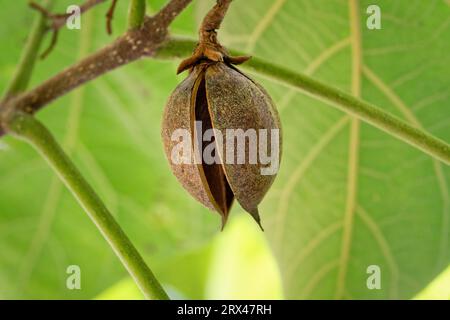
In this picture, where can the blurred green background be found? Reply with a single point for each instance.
(314, 246)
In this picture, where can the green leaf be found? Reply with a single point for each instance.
(242, 266)
(349, 196)
(338, 205)
(438, 289)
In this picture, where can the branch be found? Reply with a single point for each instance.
(133, 45)
(365, 111)
(59, 20)
(110, 16)
(27, 128)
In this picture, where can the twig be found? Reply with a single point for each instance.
(52, 44)
(59, 20)
(27, 128)
(110, 16)
(40, 8)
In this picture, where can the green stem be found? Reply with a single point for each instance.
(365, 111)
(30, 53)
(29, 129)
(136, 14)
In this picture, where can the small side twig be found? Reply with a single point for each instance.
(59, 20)
(52, 44)
(110, 16)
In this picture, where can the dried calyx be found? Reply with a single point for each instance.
(220, 97)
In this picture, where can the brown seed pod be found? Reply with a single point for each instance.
(222, 98)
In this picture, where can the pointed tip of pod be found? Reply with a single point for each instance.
(224, 216)
(255, 214)
(224, 222)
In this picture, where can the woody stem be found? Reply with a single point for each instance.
(213, 19)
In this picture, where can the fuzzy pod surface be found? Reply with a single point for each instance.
(221, 97)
